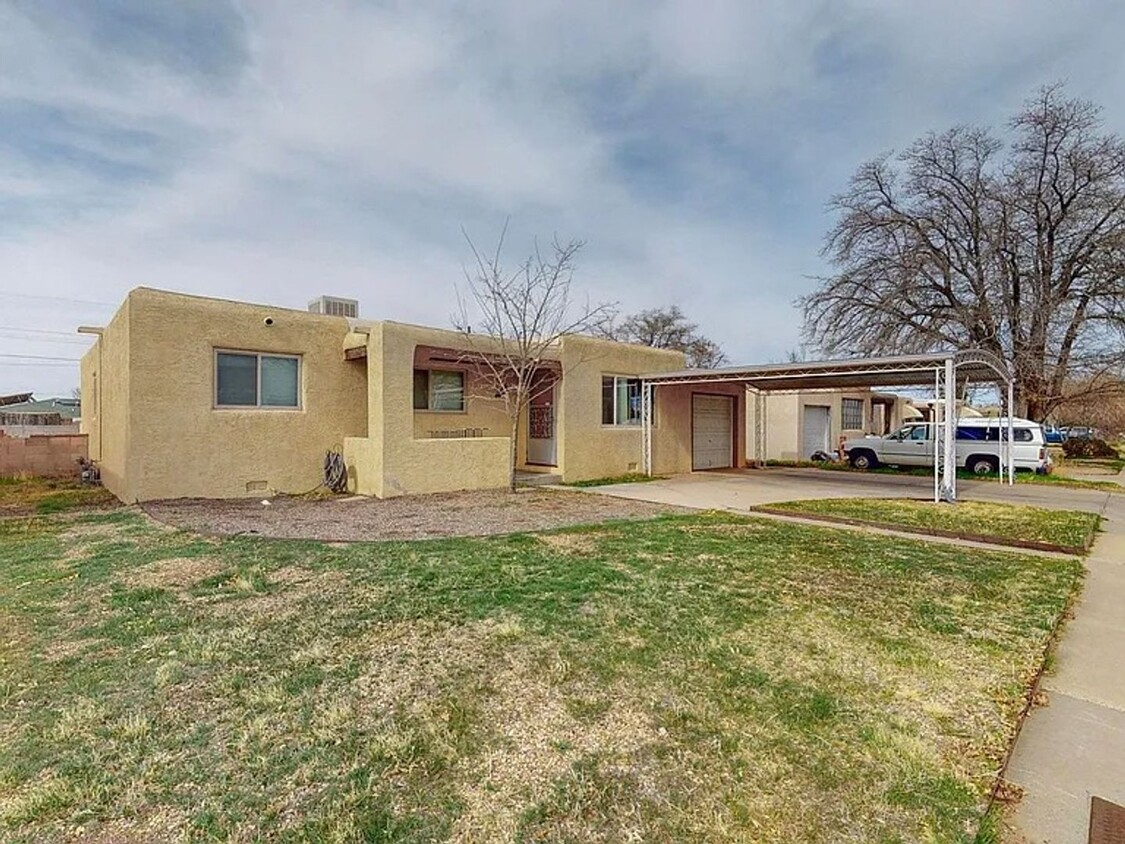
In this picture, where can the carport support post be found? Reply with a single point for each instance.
(949, 433)
(933, 428)
(646, 426)
(1011, 446)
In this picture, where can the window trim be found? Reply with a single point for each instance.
(430, 391)
(215, 405)
(615, 425)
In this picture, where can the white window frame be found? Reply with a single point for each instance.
(844, 414)
(257, 382)
(429, 408)
(628, 426)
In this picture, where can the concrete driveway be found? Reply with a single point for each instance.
(1071, 749)
(739, 490)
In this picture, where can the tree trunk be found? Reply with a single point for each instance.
(513, 452)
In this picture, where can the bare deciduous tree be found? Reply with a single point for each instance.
(511, 321)
(668, 328)
(965, 241)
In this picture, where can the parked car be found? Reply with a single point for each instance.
(978, 445)
(1077, 432)
(1054, 435)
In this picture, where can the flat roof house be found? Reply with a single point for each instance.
(186, 396)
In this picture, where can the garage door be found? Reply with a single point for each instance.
(712, 432)
(816, 430)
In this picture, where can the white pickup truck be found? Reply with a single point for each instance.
(979, 440)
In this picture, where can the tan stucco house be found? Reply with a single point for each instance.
(186, 396)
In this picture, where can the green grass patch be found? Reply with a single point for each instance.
(631, 478)
(21, 496)
(691, 678)
(1021, 477)
(999, 522)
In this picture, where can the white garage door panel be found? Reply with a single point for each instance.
(712, 432)
(815, 438)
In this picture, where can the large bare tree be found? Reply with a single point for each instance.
(511, 320)
(668, 328)
(1016, 247)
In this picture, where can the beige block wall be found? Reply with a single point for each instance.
(42, 455)
(587, 449)
(179, 444)
(105, 379)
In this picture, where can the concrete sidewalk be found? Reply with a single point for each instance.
(1074, 748)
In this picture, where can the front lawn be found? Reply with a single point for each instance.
(1021, 477)
(1070, 529)
(690, 678)
(20, 496)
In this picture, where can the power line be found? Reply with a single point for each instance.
(34, 365)
(37, 330)
(23, 338)
(57, 299)
(41, 357)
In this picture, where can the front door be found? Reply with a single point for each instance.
(541, 446)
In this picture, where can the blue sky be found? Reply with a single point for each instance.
(275, 150)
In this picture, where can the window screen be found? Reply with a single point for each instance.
(447, 391)
(278, 381)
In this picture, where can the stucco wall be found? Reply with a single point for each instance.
(397, 457)
(105, 380)
(178, 443)
(672, 432)
(587, 449)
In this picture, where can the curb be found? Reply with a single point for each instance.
(986, 539)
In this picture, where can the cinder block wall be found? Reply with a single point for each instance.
(45, 456)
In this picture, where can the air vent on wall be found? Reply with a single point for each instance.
(334, 306)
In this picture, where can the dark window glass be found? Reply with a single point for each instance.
(421, 389)
(237, 380)
(607, 400)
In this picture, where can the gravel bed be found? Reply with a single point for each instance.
(348, 519)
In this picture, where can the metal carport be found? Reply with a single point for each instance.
(948, 373)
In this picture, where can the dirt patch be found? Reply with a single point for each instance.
(477, 513)
(569, 543)
(538, 741)
(176, 573)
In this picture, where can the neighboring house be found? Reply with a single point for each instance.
(194, 397)
(801, 424)
(27, 416)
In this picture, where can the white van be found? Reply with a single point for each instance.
(979, 443)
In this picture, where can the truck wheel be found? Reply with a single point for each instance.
(862, 459)
(983, 464)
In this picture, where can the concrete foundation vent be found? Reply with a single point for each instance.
(334, 306)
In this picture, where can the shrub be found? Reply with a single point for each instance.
(1092, 447)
